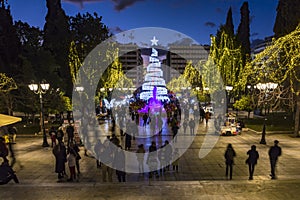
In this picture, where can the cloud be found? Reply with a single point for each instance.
(210, 24)
(118, 4)
(122, 4)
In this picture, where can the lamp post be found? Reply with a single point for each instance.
(228, 89)
(41, 89)
(265, 88)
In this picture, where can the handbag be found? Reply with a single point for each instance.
(247, 161)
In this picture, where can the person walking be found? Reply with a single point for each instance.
(140, 154)
(168, 154)
(70, 132)
(145, 119)
(175, 162)
(160, 125)
(75, 149)
(184, 125)
(229, 155)
(152, 160)
(119, 164)
(106, 157)
(252, 160)
(59, 151)
(3, 150)
(207, 117)
(192, 126)
(52, 134)
(127, 141)
(97, 149)
(71, 158)
(274, 153)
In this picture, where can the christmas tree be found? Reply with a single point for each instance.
(154, 78)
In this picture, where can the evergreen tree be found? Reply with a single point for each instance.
(57, 40)
(229, 23)
(9, 44)
(287, 18)
(228, 28)
(243, 33)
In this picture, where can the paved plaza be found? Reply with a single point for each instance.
(197, 178)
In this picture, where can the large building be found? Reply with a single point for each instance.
(180, 55)
(173, 63)
(260, 46)
(132, 62)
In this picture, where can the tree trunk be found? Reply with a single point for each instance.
(297, 116)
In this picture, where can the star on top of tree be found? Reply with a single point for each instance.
(154, 41)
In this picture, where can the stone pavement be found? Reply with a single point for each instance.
(197, 178)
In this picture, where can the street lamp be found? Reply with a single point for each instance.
(228, 89)
(266, 88)
(41, 89)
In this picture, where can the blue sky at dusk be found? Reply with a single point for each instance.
(195, 18)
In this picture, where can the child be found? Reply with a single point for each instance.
(71, 163)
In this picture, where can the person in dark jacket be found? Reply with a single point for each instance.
(7, 174)
(274, 153)
(252, 160)
(229, 155)
(119, 164)
(59, 151)
(127, 141)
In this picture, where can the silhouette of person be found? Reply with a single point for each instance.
(192, 126)
(252, 160)
(274, 153)
(229, 155)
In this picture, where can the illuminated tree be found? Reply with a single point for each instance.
(228, 60)
(74, 62)
(244, 103)
(7, 84)
(280, 63)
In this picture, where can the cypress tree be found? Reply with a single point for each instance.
(227, 28)
(243, 32)
(287, 18)
(57, 39)
(229, 23)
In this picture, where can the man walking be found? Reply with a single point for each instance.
(229, 155)
(274, 153)
(252, 160)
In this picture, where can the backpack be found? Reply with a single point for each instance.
(229, 154)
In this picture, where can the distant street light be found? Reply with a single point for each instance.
(228, 89)
(41, 89)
